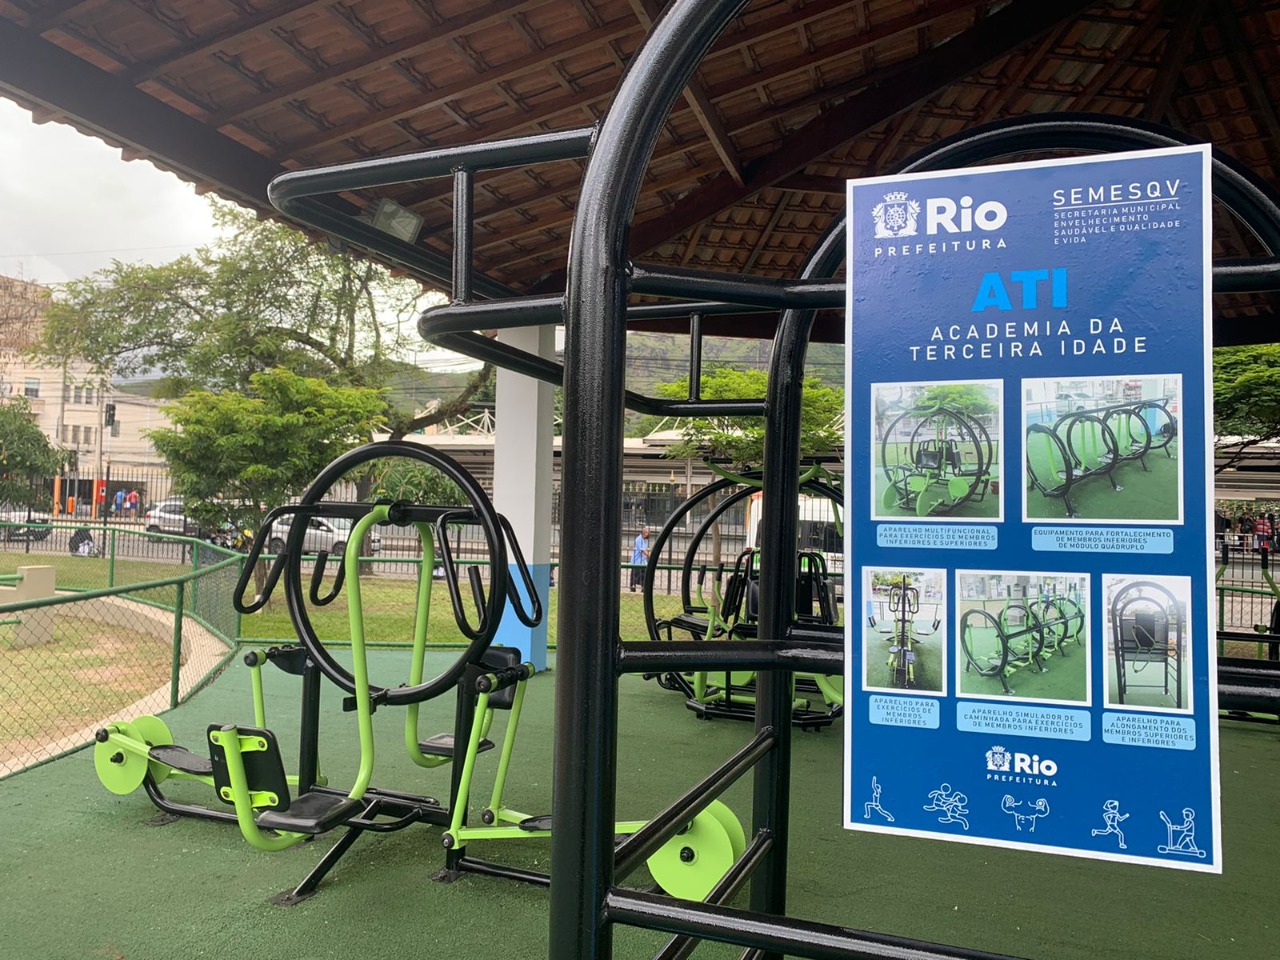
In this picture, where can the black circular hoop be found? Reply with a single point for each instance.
(484, 514)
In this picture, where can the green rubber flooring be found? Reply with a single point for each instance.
(86, 875)
(1150, 494)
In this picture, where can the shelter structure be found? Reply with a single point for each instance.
(605, 153)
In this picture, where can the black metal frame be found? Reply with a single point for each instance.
(585, 901)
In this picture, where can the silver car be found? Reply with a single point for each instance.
(323, 533)
(168, 516)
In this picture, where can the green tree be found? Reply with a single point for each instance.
(26, 456)
(739, 440)
(1246, 400)
(967, 398)
(234, 456)
(262, 296)
(401, 479)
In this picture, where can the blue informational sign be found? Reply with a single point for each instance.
(1030, 658)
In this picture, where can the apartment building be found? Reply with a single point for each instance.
(74, 407)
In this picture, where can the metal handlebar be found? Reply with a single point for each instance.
(517, 604)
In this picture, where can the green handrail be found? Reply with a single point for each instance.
(117, 591)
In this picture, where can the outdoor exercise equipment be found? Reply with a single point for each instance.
(1083, 444)
(688, 865)
(1025, 632)
(141, 752)
(588, 899)
(731, 612)
(901, 631)
(1148, 629)
(944, 462)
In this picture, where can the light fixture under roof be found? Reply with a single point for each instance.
(400, 222)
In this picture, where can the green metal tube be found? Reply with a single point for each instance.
(111, 591)
(259, 699)
(418, 664)
(460, 802)
(111, 559)
(229, 740)
(176, 666)
(359, 658)
(508, 746)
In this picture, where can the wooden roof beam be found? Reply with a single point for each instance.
(1187, 17)
(37, 71)
(991, 39)
(581, 43)
(430, 38)
(1122, 57)
(238, 26)
(56, 14)
(699, 103)
(1237, 49)
(767, 232)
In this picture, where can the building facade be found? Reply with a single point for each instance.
(76, 408)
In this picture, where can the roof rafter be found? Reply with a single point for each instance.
(430, 38)
(994, 37)
(239, 26)
(581, 43)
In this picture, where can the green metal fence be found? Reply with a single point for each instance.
(91, 634)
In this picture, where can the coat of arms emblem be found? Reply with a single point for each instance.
(998, 758)
(895, 216)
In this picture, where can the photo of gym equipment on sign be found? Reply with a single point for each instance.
(1147, 628)
(936, 450)
(1023, 635)
(905, 631)
(1102, 449)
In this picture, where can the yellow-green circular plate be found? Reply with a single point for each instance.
(693, 874)
(156, 733)
(120, 770)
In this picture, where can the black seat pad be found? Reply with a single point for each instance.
(311, 813)
(441, 745)
(180, 758)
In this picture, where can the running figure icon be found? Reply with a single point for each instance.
(1111, 819)
(950, 805)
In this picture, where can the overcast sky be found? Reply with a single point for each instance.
(69, 204)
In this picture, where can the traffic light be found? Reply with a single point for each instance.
(110, 415)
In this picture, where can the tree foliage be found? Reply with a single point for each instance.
(1246, 391)
(967, 398)
(234, 456)
(263, 296)
(401, 479)
(26, 456)
(739, 440)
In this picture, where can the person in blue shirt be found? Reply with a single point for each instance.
(640, 556)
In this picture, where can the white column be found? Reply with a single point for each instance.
(522, 459)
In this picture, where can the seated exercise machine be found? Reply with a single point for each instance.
(732, 610)
(900, 630)
(1084, 444)
(944, 463)
(1148, 630)
(244, 765)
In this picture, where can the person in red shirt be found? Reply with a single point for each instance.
(1261, 533)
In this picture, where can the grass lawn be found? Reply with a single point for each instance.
(89, 671)
(389, 608)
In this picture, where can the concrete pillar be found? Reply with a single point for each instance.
(522, 459)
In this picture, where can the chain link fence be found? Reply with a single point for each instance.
(90, 636)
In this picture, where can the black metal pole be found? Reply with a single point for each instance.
(595, 354)
(309, 733)
(778, 535)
